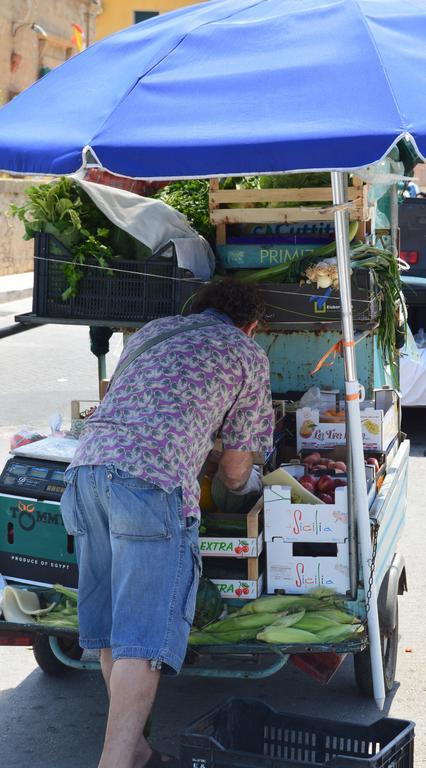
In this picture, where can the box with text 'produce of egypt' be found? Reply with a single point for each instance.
(34, 545)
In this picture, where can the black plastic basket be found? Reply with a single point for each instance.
(131, 293)
(249, 734)
(297, 304)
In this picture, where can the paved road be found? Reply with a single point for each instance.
(58, 723)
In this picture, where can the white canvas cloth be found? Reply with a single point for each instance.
(154, 224)
(413, 374)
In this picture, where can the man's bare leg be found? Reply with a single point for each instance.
(106, 667)
(133, 685)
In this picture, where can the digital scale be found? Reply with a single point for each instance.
(34, 545)
(41, 479)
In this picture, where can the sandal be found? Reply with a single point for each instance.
(156, 761)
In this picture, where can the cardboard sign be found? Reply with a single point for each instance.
(34, 545)
(297, 570)
(304, 522)
(241, 590)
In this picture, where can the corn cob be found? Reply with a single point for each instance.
(315, 623)
(287, 619)
(338, 633)
(340, 616)
(286, 635)
(71, 594)
(236, 623)
(222, 638)
(280, 603)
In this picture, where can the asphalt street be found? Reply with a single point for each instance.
(48, 722)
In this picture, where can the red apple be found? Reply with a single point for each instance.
(313, 458)
(327, 498)
(307, 484)
(340, 466)
(325, 484)
(310, 478)
(372, 462)
(319, 467)
(331, 464)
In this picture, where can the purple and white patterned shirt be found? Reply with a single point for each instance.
(160, 417)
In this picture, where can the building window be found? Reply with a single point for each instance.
(144, 15)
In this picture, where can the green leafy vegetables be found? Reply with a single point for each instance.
(66, 211)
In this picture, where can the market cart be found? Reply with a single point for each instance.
(34, 476)
(303, 100)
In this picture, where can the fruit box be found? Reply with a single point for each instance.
(304, 522)
(34, 545)
(247, 543)
(236, 578)
(245, 589)
(297, 567)
(380, 424)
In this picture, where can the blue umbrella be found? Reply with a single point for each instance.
(231, 87)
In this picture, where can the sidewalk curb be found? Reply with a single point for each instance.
(15, 295)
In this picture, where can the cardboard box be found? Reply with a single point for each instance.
(236, 577)
(34, 545)
(242, 255)
(380, 425)
(220, 546)
(246, 589)
(247, 543)
(304, 522)
(298, 567)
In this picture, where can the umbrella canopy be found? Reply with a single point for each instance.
(231, 87)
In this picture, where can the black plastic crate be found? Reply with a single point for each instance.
(249, 734)
(132, 294)
(297, 304)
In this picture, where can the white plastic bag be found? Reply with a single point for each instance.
(311, 399)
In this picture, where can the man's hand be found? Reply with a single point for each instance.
(234, 468)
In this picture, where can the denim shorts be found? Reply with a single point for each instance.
(139, 565)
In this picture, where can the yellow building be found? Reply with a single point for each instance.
(118, 14)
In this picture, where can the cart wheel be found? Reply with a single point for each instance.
(47, 660)
(362, 663)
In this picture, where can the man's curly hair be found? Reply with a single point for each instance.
(237, 300)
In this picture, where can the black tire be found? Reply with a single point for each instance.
(47, 660)
(362, 663)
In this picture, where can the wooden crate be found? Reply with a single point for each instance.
(221, 214)
(80, 410)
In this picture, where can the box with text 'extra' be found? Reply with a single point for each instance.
(304, 522)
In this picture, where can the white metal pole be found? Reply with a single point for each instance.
(352, 389)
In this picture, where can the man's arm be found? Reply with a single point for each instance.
(234, 468)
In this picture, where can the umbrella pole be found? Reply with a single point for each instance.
(352, 389)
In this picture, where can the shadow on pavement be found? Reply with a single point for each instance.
(53, 722)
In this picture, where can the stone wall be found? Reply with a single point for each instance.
(35, 36)
(26, 51)
(16, 254)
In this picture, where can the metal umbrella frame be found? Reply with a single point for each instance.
(354, 429)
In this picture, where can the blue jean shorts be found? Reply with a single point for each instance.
(139, 565)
